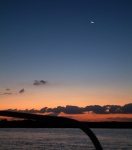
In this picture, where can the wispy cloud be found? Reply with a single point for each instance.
(40, 82)
(21, 91)
(10, 92)
(6, 93)
(7, 89)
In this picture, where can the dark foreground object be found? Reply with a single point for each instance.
(51, 120)
(43, 124)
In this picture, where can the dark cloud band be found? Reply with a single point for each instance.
(107, 109)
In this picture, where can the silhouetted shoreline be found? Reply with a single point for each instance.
(42, 124)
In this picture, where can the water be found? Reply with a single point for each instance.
(63, 139)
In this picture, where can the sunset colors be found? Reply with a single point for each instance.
(66, 53)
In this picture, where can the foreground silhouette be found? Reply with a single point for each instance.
(54, 121)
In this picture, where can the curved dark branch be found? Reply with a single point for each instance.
(56, 120)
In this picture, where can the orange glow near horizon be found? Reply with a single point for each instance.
(53, 100)
(89, 117)
(99, 117)
(39, 97)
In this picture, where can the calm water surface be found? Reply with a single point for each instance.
(63, 139)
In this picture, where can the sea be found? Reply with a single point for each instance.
(63, 139)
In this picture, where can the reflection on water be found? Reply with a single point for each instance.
(63, 139)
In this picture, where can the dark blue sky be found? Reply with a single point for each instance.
(54, 40)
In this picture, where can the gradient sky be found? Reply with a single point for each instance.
(83, 63)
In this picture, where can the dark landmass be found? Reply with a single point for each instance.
(56, 124)
(40, 121)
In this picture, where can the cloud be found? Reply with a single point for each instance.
(7, 89)
(114, 109)
(22, 91)
(97, 109)
(30, 111)
(127, 108)
(58, 109)
(40, 82)
(10, 92)
(73, 110)
(67, 110)
(43, 110)
(6, 93)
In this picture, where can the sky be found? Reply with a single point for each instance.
(65, 52)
